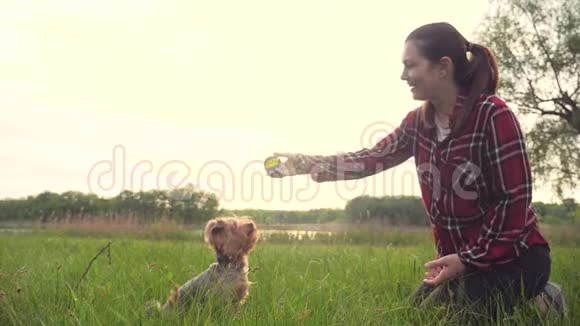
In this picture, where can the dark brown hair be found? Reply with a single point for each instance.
(475, 76)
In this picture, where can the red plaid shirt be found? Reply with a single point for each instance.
(476, 185)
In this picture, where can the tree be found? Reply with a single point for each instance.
(537, 43)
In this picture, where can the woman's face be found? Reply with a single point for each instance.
(422, 76)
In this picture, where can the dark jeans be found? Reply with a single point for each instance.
(522, 279)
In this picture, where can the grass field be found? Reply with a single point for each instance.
(296, 282)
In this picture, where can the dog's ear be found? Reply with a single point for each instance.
(217, 229)
(248, 227)
(213, 229)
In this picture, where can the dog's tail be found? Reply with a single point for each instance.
(152, 307)
(155, 307)
(172, 300)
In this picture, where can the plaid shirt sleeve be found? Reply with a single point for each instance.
(392, 150)
(511, 187)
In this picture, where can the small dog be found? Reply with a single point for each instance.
(227, 280)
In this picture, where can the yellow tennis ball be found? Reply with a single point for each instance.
(271, 162)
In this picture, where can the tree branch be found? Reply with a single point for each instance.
(562, 101)
(562, 104)
(542, 46)
(520, 66)
(547, 112)
(567, 114)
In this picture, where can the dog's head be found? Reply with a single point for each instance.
(233, 236)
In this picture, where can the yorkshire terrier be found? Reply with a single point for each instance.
(227, 280)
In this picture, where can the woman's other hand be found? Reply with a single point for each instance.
(450, 267)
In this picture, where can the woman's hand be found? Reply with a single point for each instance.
(444, 269)
(287, 167)
(432, 273)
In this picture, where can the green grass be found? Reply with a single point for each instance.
(296, 282)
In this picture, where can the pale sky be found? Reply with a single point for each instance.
(203, 91)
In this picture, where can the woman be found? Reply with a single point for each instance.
(473, 171)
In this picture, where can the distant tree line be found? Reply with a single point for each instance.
(184, 205)
(190, 206)
(322, 215)
(410, 211)
(386, 210)
(568, 212)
